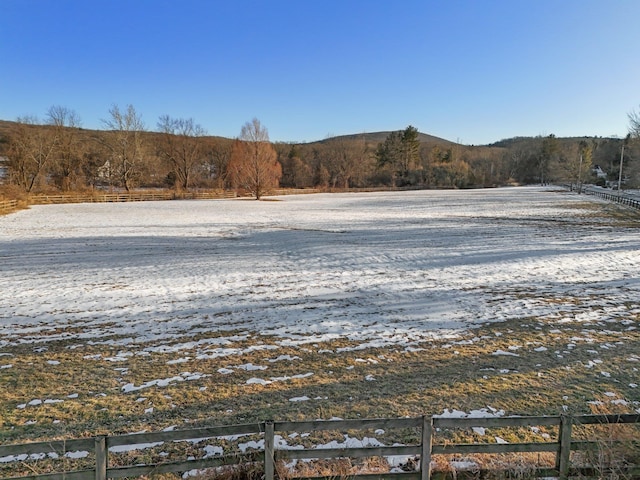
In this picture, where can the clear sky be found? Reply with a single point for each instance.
(474, 71)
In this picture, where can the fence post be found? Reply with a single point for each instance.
(269, 458)
(101, 457)
(564, 454)
(425, 451)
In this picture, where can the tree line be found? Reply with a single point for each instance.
(58, 154)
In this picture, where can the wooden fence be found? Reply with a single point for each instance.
(8, 206)
(141, 196)
(269, 455)
(613, 196)
(96, 197)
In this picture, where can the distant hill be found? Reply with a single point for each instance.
(6, 126)
(515, 141)
(371, 138)
(379, 137)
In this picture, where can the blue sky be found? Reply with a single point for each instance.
(465, 70)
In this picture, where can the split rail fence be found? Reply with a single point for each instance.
(8, 206)
(267, 454)
(617, 197)
(127, 197)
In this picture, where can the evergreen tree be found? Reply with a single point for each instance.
(400, 152)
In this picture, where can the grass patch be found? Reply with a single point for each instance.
(524, 367)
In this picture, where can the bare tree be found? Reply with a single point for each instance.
(634, 124)
(254, 162)
(68, 154)
(181, 147)
(124, 143)
(347, 161)
(31, 148)
(218, 153)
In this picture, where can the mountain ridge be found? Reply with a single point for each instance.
(369, 137)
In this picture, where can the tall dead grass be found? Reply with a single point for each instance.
(613, 450)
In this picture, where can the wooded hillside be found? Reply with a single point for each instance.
(61, 156)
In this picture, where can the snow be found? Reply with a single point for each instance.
(130, 448)
(380, 268)
(463, 464)
(502, 352)
(184, 376)
(304, 398)
(251, 367)
(488, 412)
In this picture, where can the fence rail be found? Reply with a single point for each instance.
(99, 197)
(617, 196)
(8, 206)
(266, 453)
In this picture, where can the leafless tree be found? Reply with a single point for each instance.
(218, 156)
(124, 143)
(634, 124)
(182, 147)
(68, 154)
(31, 148)
(254, 162)
(339, 162)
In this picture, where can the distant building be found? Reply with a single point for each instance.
(4, 169)
(104, 172)
(598, 172)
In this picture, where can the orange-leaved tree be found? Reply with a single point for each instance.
(254, 164)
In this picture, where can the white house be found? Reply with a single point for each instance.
(598, 172)
(4, 170)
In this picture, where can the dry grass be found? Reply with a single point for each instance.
(615, 447)
(463, 374)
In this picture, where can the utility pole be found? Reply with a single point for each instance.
(620, 174)
(580, 176)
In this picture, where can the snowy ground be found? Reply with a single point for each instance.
(380, 267)
(161, 298)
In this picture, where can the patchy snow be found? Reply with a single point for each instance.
(78, 454)
(212, 451)
(350, 442)
(379, 268)
(502, 352)
(258, 381)
(251, 367)
(184, 376)
(488, 412)
(261, 381)
(304, 398)
(137, 446)
(284, 357)
(464, 464)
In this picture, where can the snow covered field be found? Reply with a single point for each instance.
(142, 316)
(377, 268)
